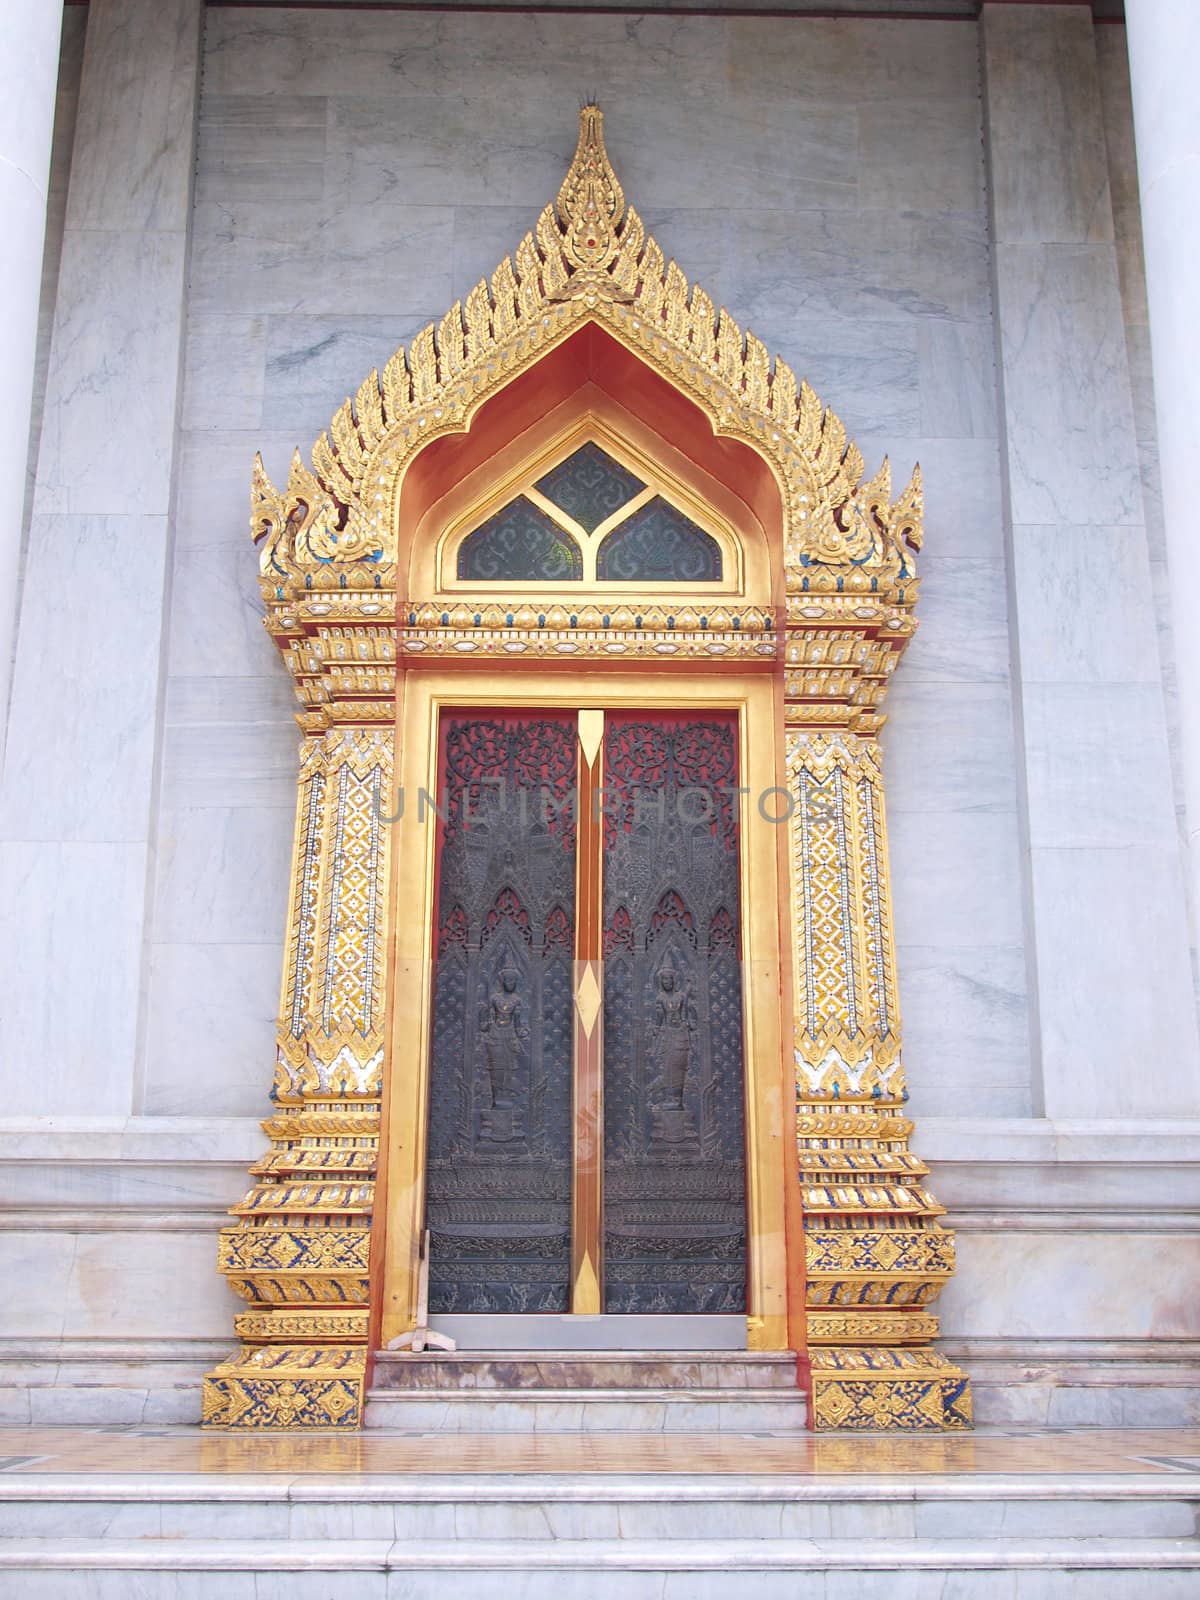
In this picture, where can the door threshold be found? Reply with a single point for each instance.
(519, 1331)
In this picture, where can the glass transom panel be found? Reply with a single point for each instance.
(658, 544)
(589, 486)
(520, 543)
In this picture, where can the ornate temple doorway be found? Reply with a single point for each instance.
(586, 1142)
(589, 1120)
(587, 502)
(580, 1124)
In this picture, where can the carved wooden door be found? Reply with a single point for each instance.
(587, 1155)
(498, 1195)
(674, 1159)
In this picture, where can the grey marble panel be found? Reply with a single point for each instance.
(1161, 585)
(266, 256)
(427, 148)
(955, 879)
(222, 875)
(1085, 613)
(1151, 482)
(1049, 166)
(260, 148)
(114, 365)
(853, 57)
(1066, 384)
(963, 632)
(1131, 268)
(927, 154)
(1141, 382)
(957, 375)
(671, 149)
(211, 1030)
(134, 152)
(81, 734)
(212, 499)
(209, 699)
(536, 55)
(216, 615)
(223, 372)
(1115, 986)
(966, 1030)
(696, 241)
(906, 265)
(963, 510)
(675, 149)
(1112, 64)
(236, 764)
(73, 911)
(949, 747)
(313, 363)
(867, 370)
(70, 66)
(485, 234)
(1096, 766)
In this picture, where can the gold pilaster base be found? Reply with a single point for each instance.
(882, 1390)
(299, 1252)
(877, 1257)
(287, 1386)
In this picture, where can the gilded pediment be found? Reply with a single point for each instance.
(335, 525)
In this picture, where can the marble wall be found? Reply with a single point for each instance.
(1107, 929)
(359, 171)
(355, 172)
(1112, 60)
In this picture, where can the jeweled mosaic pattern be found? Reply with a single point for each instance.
(843, 950)
(658, 544)
(877, 1255)
(299, 1249)
(520, 543)
(589, 486)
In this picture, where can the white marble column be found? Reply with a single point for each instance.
(29, 46)
(1164, 45)
(1114, 1020)
(76, 801)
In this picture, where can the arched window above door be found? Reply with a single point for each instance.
(520, 542)
(590, 517)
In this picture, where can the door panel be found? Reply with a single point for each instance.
(674, 1161)
(499, 1143)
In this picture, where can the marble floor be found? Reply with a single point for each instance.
(990, 1451)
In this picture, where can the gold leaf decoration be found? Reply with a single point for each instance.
(590, 258)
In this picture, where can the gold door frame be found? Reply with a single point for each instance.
(763, 884)
(588, 291)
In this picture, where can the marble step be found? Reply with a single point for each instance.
(710, 1569)
(572, 1369)
(533, 1510)
(710, 1411)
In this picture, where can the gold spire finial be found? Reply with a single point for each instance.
(590, 202)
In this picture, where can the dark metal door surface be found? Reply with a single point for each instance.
(674, 1159)
(499, 1144)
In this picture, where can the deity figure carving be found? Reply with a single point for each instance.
(504, 1037)
(672, 1053)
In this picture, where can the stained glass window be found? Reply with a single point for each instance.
(658, 544)
(589, 486)
(520, 543)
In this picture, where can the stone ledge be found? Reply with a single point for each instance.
(592, 1556)
(946, 1140)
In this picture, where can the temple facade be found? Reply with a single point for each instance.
(470, 877)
